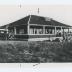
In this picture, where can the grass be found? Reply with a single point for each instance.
(35, 52)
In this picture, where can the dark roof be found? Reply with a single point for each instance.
(3, 27)
(56, 23)
(20, 22)
(45, 21)
(34, 19)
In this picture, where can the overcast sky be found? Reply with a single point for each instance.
(36, 2)
(10, 13)
(60, 10)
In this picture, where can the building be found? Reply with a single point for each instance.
(36, 28)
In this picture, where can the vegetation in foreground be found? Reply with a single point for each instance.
(35, 52)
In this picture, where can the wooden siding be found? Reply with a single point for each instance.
(41, 36)
(21, 37)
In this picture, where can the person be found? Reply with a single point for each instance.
(58, 33)
(10, 35)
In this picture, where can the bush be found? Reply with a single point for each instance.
(56, 40)
(36, 52)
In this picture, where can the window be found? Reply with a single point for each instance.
(21, 31)
(36, 30)
(49, 30)
(58, 31)
(31, 31)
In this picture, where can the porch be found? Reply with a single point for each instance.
(34, 31)
(58, 31)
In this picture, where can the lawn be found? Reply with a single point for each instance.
(35, 52)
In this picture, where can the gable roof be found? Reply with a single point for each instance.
(34, 19)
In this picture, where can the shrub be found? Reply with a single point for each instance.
(56, 40)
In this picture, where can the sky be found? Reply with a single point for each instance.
(10, 13)
(60, 10)
(36, 2)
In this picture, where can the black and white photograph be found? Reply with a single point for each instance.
(35, 32)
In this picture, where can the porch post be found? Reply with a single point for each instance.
(28, 31)
(14, 30)
(28, 27)
(68, 30)
(7, 28)
(61, 31)
(55, 30)
(63, 34)
(43, 29)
